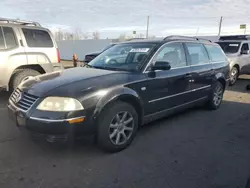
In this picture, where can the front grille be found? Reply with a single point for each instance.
(23, 100)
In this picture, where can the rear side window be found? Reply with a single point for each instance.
(215, 52)
(37, 38)
(197, 53)
(2, 45)
(9, 37)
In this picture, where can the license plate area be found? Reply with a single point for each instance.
(20, 119)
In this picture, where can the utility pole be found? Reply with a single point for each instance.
(147, 27)
(220, 25)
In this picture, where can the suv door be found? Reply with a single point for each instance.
(12, 55)
(244, 59)
(169, 89)
(201, 70)
(40, 48)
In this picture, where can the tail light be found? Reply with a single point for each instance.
(58, 55)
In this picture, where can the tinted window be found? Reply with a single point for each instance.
(2, 45)
(37, 38)
(215, 53)
(197, 53)
(229, 47)
(245, 47)
(174, 54)
(9, 37)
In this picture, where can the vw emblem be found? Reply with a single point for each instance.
(18, 97)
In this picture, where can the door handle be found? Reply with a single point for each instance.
(188, 75)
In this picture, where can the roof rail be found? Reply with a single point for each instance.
(185, 37)
(135, 39)
(21, 22)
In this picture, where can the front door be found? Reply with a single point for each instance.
(201, 70)
(168, 89)
(244, 59)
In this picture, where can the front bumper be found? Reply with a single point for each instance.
(40, 125)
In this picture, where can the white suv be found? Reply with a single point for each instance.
(26, 50)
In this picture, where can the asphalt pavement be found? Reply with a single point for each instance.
(195, 149)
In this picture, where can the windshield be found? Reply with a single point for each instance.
(230, 47)
(128, 57)
(107, 47)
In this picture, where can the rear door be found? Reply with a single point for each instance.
(170, 88)
(40, 48)
(202, 70)
(12, 54)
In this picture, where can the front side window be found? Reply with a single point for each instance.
(245, 47)
(37, 38)
(229, 47)
(197, 54)
(128, 57)
(2, 44)
(9, 37)
(215, 52)
(172, 53)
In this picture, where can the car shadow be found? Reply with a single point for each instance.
(240, 85)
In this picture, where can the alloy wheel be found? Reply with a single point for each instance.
(233, 75)
(121, 128)
(218, 95)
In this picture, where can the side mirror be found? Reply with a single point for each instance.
(161, 65)
(245, 52)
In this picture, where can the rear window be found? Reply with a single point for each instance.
(230, 47)
(215, 53)
(37, 38)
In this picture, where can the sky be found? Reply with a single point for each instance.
(114, 17)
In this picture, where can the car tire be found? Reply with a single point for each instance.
(234, 74)
(21, 75)
(117, 126)
(216, 96)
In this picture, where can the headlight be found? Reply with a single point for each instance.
(60, 104)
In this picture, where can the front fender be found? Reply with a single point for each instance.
(116, 94)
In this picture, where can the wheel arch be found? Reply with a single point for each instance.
(35, 67)
(125, 95)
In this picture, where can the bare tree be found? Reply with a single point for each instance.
(59, 35)
(122, 37)
(96, 35)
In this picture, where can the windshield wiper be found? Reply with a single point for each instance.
(111, 68)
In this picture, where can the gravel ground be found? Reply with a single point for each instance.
(194, 149)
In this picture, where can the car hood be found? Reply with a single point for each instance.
(69, 82)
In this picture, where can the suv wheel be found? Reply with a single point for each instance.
(22, 75)
(117, 127)
(234, 73)
(216, 97)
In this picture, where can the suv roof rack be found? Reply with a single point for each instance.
(20, 22)
(185, 37)
(235, 37)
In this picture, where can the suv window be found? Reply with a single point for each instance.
(215, 52)
(9, 37)
(245, 47)
(37, 38)
(174, 54)
(197, 53)
(2, 45)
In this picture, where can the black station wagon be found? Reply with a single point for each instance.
(116, 93)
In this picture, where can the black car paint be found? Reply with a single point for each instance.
(152, 96)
